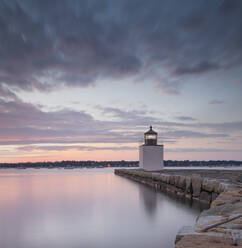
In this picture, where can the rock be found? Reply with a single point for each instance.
(185, 230)
(141, 174)
(168, 179)
(223, 186)
(214, 196)
(182, 182)
(205, 241)
(209, 184)
(146, 175)
(225, 209)
(134, 173)
(161, 178)
(188, 184)
(205, 197)
(180, 193)
(204, 221)
(216, 187)
(239, 178)
(155, 176)
(149, 175)
(172, 179)
(229, 196)
(188, 196)
(176, 180)
(164, 178)
(196, 185)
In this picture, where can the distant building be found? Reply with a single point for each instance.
(150, 153)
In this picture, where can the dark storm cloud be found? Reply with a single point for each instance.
(48, 44)
(196, 68)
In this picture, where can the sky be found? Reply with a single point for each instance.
(84, 79)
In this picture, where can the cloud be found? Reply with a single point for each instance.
(185, 118)
(6, 94)
(204, 66)
(222, 126)
(27, 124)
(45, 45)
(216, 102)
(189, 150)
(77, 147)
(192, 134)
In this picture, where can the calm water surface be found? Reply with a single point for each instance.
(86, 208)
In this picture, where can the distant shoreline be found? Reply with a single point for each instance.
(122, 163)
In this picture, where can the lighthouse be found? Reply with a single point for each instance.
(150, 153)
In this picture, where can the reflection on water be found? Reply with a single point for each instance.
(149, 199)
(85, 208)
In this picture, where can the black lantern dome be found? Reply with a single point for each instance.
(151, 137)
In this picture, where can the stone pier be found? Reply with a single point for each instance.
(219, 226)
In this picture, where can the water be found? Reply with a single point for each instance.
(85, 208)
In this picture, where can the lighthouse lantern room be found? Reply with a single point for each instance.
(151, 137)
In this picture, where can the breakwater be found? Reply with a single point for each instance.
(220, 225)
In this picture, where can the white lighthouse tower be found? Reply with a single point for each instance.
(151, 154)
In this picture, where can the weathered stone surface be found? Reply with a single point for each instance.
(188, 196)
(229, 196)
(223, 186)
(185, 230)
(155, 176)
(239, 178)
(176, 179)
(220, 202)
(167, 179)
(225, 209)
(142, 174)
(172, 189)
(182, 182)
(161, 178)
(148, 175)
(203, 221)
(214, 196)
(216, 188)
(164, 178)
(188, 184)
(180, 193)
(209, 184)
(205, 241)
(196, 185)
(138, 173)
(189, 236)
(205, 197)
(172, 179)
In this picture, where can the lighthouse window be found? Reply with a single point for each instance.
(150, 136)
